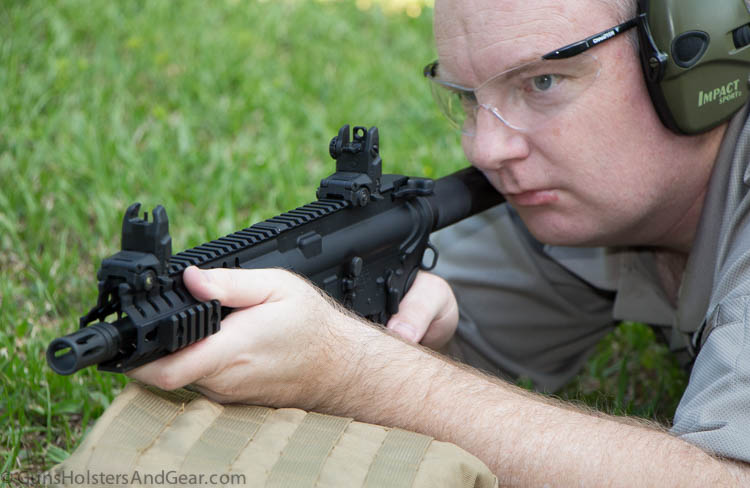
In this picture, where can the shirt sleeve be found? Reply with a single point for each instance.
(522, 314)
(714, 412)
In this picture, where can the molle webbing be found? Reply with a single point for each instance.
(134, 429)
(398, 459)
(147, 433)
(225, 438)
(302, 459)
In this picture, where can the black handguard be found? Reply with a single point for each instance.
(362, 242)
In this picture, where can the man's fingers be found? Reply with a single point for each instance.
(203, 358)
(238, 288)
(428, 313)
(182, 367)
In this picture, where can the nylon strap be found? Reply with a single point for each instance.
(303, 457)
(397, 461)
(225, 438)
(135, 428)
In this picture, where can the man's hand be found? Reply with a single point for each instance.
(274, 349)
(428, 314)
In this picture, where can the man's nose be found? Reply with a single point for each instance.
(494, 143)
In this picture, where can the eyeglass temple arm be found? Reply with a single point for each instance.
(578, 47)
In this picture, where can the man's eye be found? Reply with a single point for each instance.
(468, 97)
(462, 94)
(543, 83)
(465, 98)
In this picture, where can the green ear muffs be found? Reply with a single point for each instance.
(696, 60)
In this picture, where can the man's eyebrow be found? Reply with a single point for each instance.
(525, 60)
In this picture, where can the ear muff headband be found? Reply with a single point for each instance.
(695, 56)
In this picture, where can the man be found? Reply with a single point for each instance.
(600, 171)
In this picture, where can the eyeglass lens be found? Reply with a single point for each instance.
(523, 98)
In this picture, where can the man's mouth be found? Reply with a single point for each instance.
(532, 198)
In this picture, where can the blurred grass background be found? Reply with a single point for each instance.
(222, 112)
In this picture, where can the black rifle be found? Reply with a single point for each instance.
(362, 242)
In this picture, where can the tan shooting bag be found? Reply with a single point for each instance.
(149, 437)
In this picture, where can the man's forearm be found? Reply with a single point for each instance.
(526, 439)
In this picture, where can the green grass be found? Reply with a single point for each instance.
(220, 111)
(630, 373)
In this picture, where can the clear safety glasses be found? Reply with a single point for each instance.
(525, 97)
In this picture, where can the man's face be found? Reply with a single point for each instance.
(603, 170)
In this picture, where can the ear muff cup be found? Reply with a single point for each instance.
(695, 56)
(689, 47)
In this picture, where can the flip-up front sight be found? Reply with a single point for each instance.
(133, 283)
